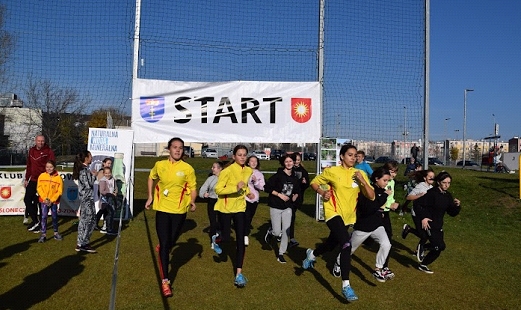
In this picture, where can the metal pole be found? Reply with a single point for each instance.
(426, 85)
(405, 135)
(465, 124)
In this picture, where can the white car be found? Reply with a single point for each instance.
(260, 155)
(209, 153)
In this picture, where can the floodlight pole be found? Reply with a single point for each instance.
(465, 124)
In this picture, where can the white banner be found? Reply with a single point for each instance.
(12, 192)
(116, 144)
(237, 111)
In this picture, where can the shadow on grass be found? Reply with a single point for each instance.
(33, 291)
(15, 249)
(183, 252)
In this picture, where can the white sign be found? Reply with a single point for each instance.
(12, 192)
(247, 111)
(116, 144)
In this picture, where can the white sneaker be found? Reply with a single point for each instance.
(246, 241)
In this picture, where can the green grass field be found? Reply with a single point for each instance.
(478, 270)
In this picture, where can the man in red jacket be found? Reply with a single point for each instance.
(38, 156)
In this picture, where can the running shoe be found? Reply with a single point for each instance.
(420, 252)
(35, 226)
(165, 288)
(425, 269)
(216, 246)
(78, 248)
(87, 248)
(281, 259)
(308, 262)
(240, 280)
(268, 235)
(42, 239)
(336, 270)
(58, 237)
(379, 275)
(26, 220)
(349, 293)
(112, 233)
(293, 242)
(405, 230)
(388, 273)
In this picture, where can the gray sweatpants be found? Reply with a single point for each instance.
(280, 223)
(380, 236)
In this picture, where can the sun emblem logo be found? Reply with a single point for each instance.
(301, 109)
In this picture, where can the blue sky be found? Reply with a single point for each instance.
(474, 44)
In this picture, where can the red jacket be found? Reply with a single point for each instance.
(36, 161)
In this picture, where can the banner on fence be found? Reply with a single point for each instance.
(275, 112)
(12, 192)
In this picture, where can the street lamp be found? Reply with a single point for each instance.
(465, 124)
(445, 143)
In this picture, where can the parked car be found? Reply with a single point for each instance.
(309, 156)
(209, 153)
(435, 161)
(260, 155)
(382, 159)
(369, 159)
(189, 151)
(467, 163)
(276, 154)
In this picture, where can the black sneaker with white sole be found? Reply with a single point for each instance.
(405, 230)
(33, 226)
(420, 252)
(425, 269)
(281, 259)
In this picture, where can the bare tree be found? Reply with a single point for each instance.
(6, 43)
(58, 107)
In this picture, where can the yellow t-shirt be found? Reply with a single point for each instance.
(229, 199)
(344, 192)
(176, 182)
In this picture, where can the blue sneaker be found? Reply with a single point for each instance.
(308, 262)
(349, 293)
(240, 280)
(215, 246)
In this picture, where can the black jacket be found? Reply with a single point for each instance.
(434, 204)
(369, 213)
(302, 174)
(282, 183)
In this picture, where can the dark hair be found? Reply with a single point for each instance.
(107, 159)
(283, 158)
(78, 163)
(258, 161)
(239, 147)
(52, 162)
(442, 176)
(391, 165)
(346, 147)
(173, 140)
(379, 173)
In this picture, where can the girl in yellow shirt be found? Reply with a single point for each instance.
(172, 197)
(232, 189)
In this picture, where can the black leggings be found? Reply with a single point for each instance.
(212, 216)
(168, 228)
(239, 220)
(251, 209)
(31, 201)
(338, 235)
(435, 246)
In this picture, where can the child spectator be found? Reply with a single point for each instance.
(108, 191)
(49, 188)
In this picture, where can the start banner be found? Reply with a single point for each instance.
(236, 111)
(12, 192)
